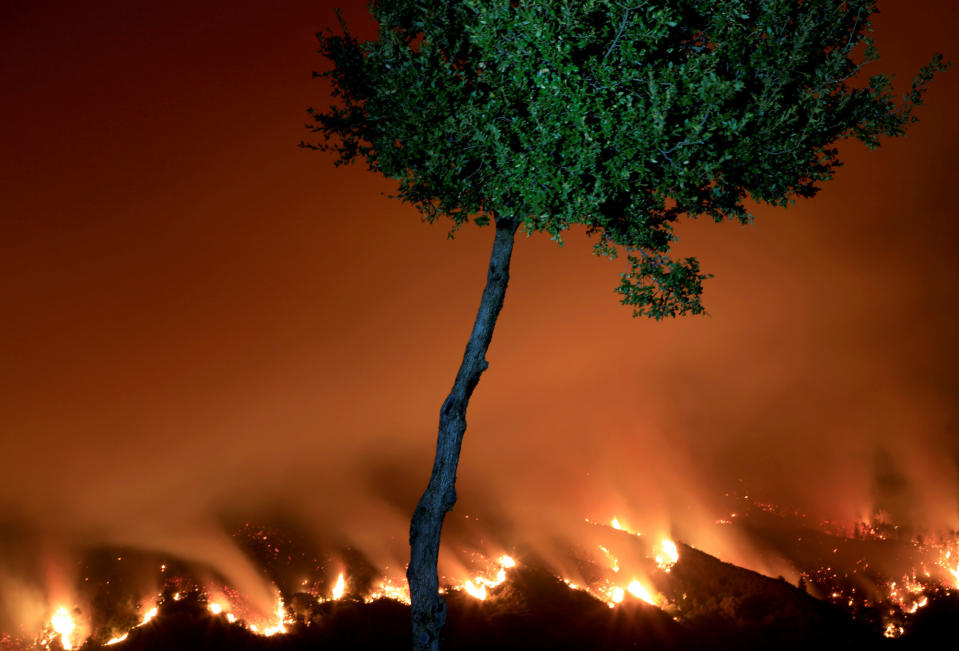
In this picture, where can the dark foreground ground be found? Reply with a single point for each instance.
(534, 610)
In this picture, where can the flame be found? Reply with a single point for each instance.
(475, 591)
(150, 614)
(281, 620)
(640, 592)
(617, 595)
(916, 605)
(613, 561)
(476, 587)
(670, 555)
(388, 590)
(339, 587)
(905, 596)
(892, 630)
(63, 626)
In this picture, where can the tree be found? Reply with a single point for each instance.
(620, 117)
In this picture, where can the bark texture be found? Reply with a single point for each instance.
(428, 607)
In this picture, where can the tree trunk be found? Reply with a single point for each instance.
(428, 607)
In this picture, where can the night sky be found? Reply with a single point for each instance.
(201, 321)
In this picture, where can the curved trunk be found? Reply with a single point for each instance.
(428, 607)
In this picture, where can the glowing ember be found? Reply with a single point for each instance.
(475, 591)
(63, 625)
(916, 605)
(613, 561)
(389, 590)
(339, 587)
(215, 608)
(669, 556)
(640, 592)
(617, 595)
(892, 630)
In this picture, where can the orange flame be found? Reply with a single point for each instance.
(617, 595)
(340, 587)
(116, 640)
(63, 626)
(640, 592)
(669, 556)
(150, 614)
(475, 591)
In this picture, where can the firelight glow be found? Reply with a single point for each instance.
(669, 555)
(640, 592)
(905, 596)
(339, 587)
(64, 626)
(150, 614)
(117, 640)
(474, 590)
(281, 620)
(199, 321)
(477, 586)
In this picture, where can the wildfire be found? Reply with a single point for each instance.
(640, 592)
(614, 594)
(623, 570)
(150, 614)
(476, 587)
(339, 587)
(669, 555)
(618, 526)
(475, 591)
(387, 589)
(281, 619)
(617, 595)
(892, 630)
(613, 561)
(63, 626)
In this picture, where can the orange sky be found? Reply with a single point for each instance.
(197, 317)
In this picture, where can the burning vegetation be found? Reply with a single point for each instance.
(872, 581)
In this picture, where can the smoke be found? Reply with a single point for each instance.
(229, 334)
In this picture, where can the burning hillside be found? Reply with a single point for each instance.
(618, 588)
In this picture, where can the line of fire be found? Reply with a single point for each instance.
(872, 581)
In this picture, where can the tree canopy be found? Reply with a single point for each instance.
(618, 116)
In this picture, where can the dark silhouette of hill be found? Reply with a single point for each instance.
(721, 607)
